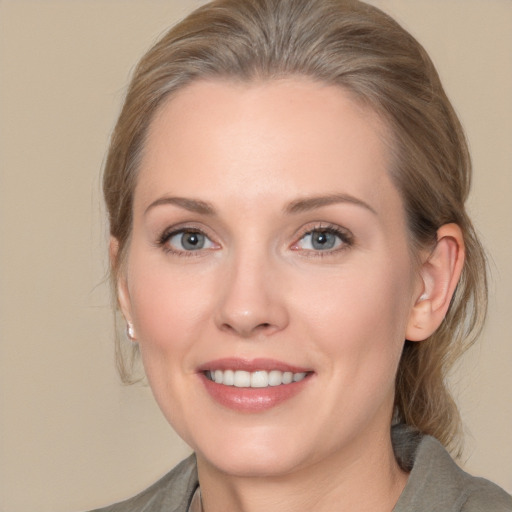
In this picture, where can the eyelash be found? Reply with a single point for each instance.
(344, 235)
(168, 234)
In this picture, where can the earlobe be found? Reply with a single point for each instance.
(440, 273)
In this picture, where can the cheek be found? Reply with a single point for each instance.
(169, 309)
(168, 305)
(359, 313)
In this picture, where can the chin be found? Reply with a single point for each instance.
(250, 455)
(250, 464)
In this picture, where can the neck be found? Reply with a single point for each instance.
(365, 477)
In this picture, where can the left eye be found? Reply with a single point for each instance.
(189, 241)
(320, 240)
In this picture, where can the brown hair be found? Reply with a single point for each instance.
(358, 47)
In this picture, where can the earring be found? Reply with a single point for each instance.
(130, 331)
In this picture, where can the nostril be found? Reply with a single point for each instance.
(246, 330)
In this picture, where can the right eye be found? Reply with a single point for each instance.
(187, 240)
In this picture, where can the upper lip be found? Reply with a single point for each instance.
(251, 365)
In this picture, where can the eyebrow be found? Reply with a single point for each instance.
(298, 206)
(311, 203)
(192, 205)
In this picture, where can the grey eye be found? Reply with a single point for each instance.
(320, 240)
(190, 241)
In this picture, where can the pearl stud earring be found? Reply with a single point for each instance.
(130, 331)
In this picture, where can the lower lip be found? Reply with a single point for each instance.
(252, 399)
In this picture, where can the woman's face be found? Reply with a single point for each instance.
(269, 244)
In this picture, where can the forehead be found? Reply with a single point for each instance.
(253, 140)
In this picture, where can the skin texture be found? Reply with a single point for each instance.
(259, 289)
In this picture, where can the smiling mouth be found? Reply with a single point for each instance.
(257, 379)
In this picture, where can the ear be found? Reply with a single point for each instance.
(440, 273)
(123, 296)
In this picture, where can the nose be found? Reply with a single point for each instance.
(251, 300)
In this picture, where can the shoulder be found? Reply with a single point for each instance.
(172, 493)
(436, 483)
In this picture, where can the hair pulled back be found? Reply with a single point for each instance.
(359, 48)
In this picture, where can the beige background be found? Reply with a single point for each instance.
(72, 437)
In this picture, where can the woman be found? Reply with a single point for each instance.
(292, 255)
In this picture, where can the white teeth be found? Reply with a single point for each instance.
(287, 377)
(275, 378)
(229, 378)
(242, 379)
(258, 379)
